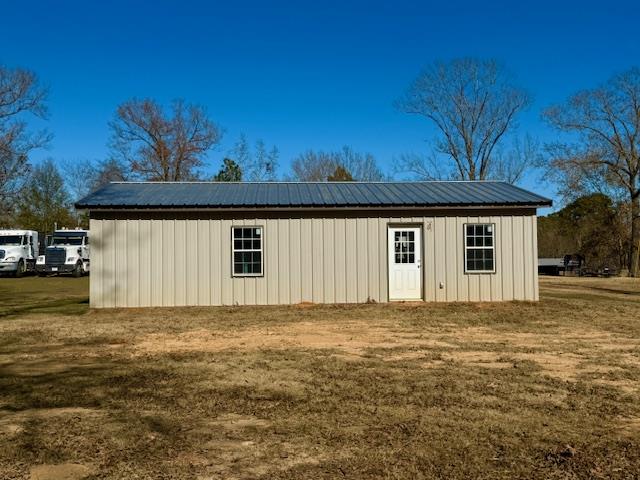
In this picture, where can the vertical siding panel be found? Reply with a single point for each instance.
(318, 293)
(383, 255)
(496, 278)
(132, 249)
(329, 282)
(226, 277)
(205, 249)
(273, 261)
(340, 267)
(215, 244)
(180, 255)
(518, 258)
(506, 247)
(109, 275)
(156, 262)
(306, 260)
(145, 263)
(441, 259)
(529, 293)
(192, 262)
(352, 262)
(168, 259)
(96, 286)
(534, 232)
(295, 292)
(429, 259)
(284, 264)
(485, 278)
(261, 282)
(112, 263)
(463, 278)
(108, 263)
(373, 259)
(361, 255)
(451, 255)
(119, 258)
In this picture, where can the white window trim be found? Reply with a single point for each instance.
(233, 252)
(493, 248)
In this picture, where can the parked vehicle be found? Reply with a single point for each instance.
(67, 252)
(18, 251)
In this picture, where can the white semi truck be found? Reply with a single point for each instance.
(18, 251)
(67, 252)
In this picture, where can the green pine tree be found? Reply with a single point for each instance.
(44, 201)
(230, 172)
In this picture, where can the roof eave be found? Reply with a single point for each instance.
(308, 207)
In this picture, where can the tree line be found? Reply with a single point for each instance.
(594, 226)
(473, 106)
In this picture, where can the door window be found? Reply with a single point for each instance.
(404, 246)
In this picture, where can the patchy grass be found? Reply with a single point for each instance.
(61, 295)
(513, 390)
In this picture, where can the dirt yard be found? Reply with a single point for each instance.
(513, 390)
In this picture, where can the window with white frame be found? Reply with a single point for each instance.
(247, 251)
(479, 250)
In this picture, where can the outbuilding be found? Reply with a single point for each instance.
(208, 243)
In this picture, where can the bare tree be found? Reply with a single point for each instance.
(473, 104)
(84, 176)
(606, 123)
(109, 170)
(312, 166)
(259, 165)
(510, 165)
(318, 166)
(158, 147)
(20, 94)
(79, 177)
(421, 166)
(362, 166)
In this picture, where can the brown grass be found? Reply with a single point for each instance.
(513, 390)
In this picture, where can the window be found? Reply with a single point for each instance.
(66, 240)
(10, 240)
(479, 252)
(404, 244)
(247, 251)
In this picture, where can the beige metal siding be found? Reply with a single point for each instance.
(164, 261)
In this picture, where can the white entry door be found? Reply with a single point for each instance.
(405, 277)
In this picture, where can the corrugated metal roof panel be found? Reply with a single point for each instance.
(122, 195)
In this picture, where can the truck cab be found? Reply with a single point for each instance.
(18, 251)
(67, 252)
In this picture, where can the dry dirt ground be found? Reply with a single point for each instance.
(512, 390)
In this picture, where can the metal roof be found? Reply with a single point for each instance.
(270, 195)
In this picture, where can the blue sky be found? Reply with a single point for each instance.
(302, 75)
